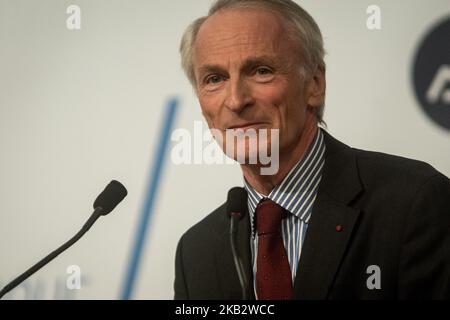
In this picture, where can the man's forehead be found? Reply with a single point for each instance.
(236, 31)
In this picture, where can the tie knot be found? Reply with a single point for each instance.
(268, 217)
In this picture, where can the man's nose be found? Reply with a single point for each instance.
(238, 95)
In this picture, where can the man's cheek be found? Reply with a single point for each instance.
(208, 117)
(206, 110)
(211, 115)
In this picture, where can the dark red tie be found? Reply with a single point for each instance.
(273, 274)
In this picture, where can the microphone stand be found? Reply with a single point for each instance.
(235, 217)
(95, 215)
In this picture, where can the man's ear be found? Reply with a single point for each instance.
(316, 88)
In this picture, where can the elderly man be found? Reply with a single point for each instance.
(333, 222)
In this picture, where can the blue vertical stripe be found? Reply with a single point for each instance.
(149, 202)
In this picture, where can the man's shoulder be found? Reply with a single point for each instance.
(213, 225)
(382, 168)
(377, 170)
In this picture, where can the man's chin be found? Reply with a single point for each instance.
(248, 155)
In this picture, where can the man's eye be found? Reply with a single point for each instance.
(214, 79)
(262, 71)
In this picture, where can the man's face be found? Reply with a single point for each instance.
(248, 75)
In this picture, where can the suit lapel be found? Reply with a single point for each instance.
(332, 222)
(227, 274)
(323, 248)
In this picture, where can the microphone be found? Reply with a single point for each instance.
(236, 208)
(106, 201)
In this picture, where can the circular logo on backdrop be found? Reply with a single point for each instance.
(432, 73)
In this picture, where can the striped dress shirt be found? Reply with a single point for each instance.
(296, 193)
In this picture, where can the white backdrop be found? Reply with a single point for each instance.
(81, 107)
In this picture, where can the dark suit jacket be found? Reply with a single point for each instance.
(395, 214)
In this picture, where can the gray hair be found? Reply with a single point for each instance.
(305, 32)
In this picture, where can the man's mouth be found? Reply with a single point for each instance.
(247, 126)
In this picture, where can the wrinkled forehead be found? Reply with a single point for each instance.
(241, 31)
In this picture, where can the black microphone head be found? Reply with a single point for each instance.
(110, 197)
(237, 202)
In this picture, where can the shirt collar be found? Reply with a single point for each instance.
(297, 192)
